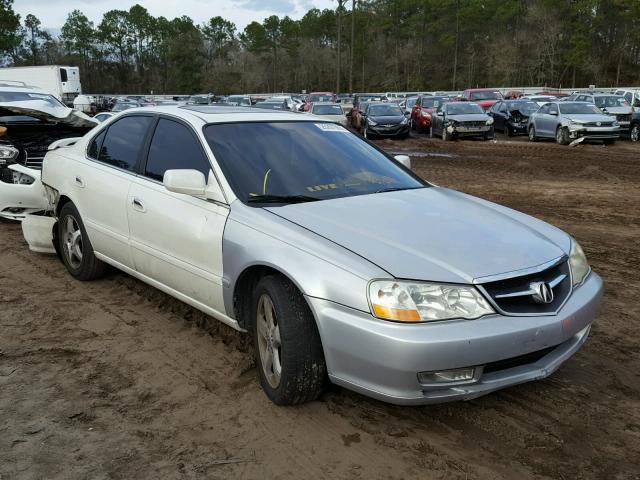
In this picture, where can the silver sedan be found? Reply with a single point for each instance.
(337, 259)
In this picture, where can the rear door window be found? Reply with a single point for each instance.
(123, 142)
(174, 146)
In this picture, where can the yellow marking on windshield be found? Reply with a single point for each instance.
(264, 184)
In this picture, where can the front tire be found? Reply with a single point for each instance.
(635, 132)
(446, 136)
(286, 342)
(562, 136)
(75, 246)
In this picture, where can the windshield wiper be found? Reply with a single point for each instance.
(281, 199)
(395, 189)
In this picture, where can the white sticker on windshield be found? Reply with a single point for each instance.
(331, 127)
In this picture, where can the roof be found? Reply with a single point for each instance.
(223, 114)
(14, 86)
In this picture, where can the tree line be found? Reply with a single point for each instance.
(361, 45)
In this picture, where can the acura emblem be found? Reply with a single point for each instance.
(541, 292)
(599, 124)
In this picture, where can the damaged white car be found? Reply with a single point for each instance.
(31, 120)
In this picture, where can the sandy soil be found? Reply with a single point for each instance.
(113, 379)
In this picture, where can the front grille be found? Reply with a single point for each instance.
(595, 124)
(473, 124)
(33, 160)
(518, 361)
(513, 296)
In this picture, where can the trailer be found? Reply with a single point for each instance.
(60, 81)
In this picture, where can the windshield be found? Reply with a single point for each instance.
(50, 100)
(315, 160)
(434, 102)
(320, 98)
(526, 108)
(611, 101)
(578, 108)
(327, 110)
(389, 110)
(411, 102)
(463, 108)
(485, 96)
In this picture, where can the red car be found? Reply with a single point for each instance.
(485, 97)
(319, 97)
(422, 111)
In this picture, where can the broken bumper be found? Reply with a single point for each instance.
(596, 133)
(462, 130)
(25, 196)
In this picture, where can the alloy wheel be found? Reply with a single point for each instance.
(269, 343)
(72, 241)
(635, 133)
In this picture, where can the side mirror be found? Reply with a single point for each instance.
(404, 160)
(188, 182)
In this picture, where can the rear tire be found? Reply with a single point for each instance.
(286, 342)
(75, 246)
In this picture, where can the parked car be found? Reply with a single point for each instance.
(513, 94)
(289, 102)
(384, 120)
(103, 116)
(567, 121)
(206, 99)
(319, 97)
(423, 110)
(359, 102)
(275, 104)
(329, 111)
(407, 105)
(455, 119)
(539, 99)
(635, 127)
(485, 97)
(631, 96)
(336, 258)
(121, 106)
(31, 119)
(613, 105)
(552, 93)
(239, 100)
(512, 116)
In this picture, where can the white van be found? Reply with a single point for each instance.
(61, 82)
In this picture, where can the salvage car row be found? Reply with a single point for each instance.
(311, 239)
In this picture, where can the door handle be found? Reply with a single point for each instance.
(138, 205)
(79, 182)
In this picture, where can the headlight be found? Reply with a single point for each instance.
(576, 122)
(404, 121)
(372, 123)
(405, 301)
(489, 122)
(8, 153)
(578, 263)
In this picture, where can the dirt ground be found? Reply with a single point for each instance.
(113, 379)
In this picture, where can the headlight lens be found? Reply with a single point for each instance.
(424, 302)
(7, 152)
(578, 263)
(490, 121)
(372, 123)
(404, 121)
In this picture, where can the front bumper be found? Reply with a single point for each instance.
(594, 133)
(382, 359)
(468, 131)
(18, 200)
(520, 128)
(389, 131)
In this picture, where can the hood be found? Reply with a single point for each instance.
(341, 119)
(44, 111)
(469, 117)
(588, 117)
(392, 119)
(518, 116)
(431, 234)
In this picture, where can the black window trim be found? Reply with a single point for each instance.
(147, 146)
(136, 169)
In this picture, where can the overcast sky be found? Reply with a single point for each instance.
(53, 13)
